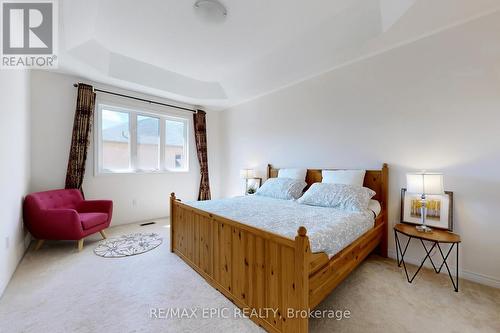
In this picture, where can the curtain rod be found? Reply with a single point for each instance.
(140, 99)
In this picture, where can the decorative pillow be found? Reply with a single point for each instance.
(282, 188)
(292, 173)
(348, 177)
(346, 197)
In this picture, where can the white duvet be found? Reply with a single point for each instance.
(329, 230)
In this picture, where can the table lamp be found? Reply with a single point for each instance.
(424, 184)
(247, 174)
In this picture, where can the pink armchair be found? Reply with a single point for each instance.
(64, 215)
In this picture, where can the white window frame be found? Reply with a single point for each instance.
(133, 114)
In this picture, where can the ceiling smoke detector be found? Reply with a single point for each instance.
(210, 10)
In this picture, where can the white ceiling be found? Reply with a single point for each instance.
(162, 48)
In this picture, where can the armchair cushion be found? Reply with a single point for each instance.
(93, 206)
(90, 220)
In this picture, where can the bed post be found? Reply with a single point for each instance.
(172, 202)
(385, 198)
(302, 252)
(269, 167)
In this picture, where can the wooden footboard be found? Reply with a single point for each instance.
(264, 274)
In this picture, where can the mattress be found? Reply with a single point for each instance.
(329, 229)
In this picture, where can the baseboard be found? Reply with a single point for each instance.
(471, 276)
(118, 223)
(27, 241)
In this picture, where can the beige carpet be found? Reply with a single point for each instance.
(60, 290)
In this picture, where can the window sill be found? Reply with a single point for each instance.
(139, 172)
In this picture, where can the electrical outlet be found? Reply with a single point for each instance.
(7, 242)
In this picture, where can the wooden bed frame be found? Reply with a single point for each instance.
(274, 280)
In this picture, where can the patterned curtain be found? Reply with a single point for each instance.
(82, 127)
(200, 134)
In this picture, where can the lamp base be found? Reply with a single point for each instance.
(423, 228)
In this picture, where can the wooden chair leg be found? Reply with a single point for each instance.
(80, 244)
(103, 234)
(39, 244)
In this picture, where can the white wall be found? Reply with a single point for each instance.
(53, 108)
(433, 104)
(14, 168)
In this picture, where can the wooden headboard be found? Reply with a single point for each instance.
(377, 180)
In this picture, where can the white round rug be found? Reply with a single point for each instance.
(127, 245)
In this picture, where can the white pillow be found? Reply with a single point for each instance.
(375, 207)
(282, 188)
(341, 196)
(347, 177)
(292, 173)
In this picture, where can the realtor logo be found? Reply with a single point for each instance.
(29, 34)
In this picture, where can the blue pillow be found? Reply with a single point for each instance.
(282, 188)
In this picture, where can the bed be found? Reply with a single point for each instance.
(262, 268)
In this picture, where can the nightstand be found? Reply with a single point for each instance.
(438, 238)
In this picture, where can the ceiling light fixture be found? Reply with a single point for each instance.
(210, 10)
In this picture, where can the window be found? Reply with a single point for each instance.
(131, 141)
(178, 162)
(175, 145)
(115, 140)
(148, 143)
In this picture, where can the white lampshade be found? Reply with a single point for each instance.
(425, 183)
(247, 173)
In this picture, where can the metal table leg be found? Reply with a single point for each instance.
(402, 252)
(455, 285)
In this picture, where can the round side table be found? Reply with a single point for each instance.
(437, 238)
